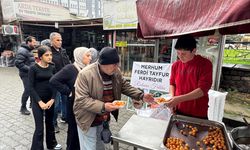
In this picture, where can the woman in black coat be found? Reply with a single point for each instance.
(64, 81)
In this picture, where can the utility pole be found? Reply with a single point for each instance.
(1, 15)
(1, 23)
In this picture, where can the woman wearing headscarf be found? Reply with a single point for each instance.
(64, 81)
(94, 55)
(43, 97)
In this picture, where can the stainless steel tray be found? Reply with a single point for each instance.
(201, 124)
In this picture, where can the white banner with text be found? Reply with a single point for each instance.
(151, 76)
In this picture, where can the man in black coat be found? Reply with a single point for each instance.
(24, 59)
(60, 59)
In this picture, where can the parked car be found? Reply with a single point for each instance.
(230, 46)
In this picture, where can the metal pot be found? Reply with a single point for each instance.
(240, 137)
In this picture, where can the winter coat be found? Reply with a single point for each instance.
(89, 93)
(60, 58)
(24, 59)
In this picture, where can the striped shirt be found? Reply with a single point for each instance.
(108, 96)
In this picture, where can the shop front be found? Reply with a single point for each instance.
(132, 49)
(123, 24)
(88, 33)
(39, 19)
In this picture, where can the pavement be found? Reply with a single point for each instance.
(16, 130)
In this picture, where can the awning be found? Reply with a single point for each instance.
(171, 18)
(66, 23)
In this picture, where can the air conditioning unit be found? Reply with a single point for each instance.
(10, 30)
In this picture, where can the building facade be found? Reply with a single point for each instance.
(81, 8)
(77, 20)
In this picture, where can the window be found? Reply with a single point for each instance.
(132, 49)
(165, 48)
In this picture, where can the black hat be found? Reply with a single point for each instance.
(108, 55)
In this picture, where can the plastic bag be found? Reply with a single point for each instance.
(106, 133)
(144, 112)
(162, 112)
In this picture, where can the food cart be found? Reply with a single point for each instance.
(153, 134)
(170, 19)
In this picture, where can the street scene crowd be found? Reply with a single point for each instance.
(83, 91)
(124, 74)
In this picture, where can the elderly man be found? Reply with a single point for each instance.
(60, 59)
(96, 87)
(24, 59)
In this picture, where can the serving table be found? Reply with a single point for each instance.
(141, 132)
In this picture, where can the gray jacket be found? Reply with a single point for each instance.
(24, 59)
(89, 93)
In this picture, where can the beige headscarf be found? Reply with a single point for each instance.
(78, 56)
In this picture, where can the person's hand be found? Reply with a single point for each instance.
(50, 103)
(42, 105)
(147, 97)
(110, 107)
(173, 102)
(173, 110)
(137, 104)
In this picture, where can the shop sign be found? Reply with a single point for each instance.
(41, 11)
(33, 10)
(121, 44)
(8, 10)
(119, 14)
(151, 76)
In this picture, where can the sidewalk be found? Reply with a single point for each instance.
(16, 130)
